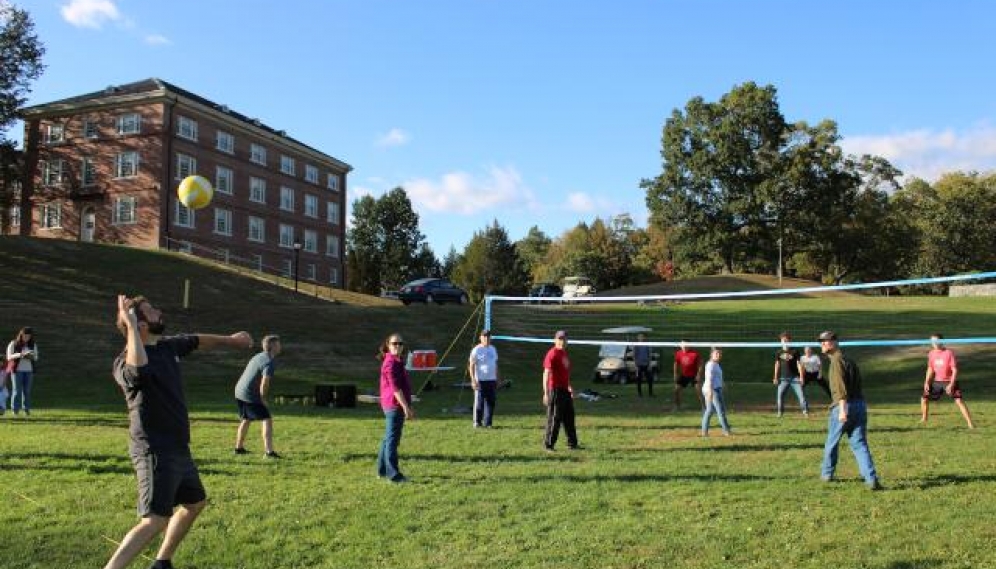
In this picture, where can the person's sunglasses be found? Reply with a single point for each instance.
(397, 343)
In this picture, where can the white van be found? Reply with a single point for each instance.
(578, 286)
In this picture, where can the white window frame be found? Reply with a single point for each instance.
(185, 247)
(125, 211)
(123, 161)
(333, 182)
(257, 185)
(334, 275)
(332, 244)
(312, 273)
(51, 215)
(225, 142)
(257, 154)
(223, 254)
(15, 216)
(87, 165)
(180, 210)
(52, 172)
(186, 127)
(332, 213)
(129, 123)
(286, 198)
(258, 259)
(311, 205)
(224, 179)
(257, 230)
(91, 129)
(310, 241)
(286, 236)
(288, 268)
(185, 165)
(287, 165)
(311, 173)
(222, 222)
(55, 133)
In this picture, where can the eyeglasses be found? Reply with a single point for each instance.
(397, 343)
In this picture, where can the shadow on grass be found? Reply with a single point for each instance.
(735, 447)
(918, 564)
(601, 478)
(489, 459)
(76, 421)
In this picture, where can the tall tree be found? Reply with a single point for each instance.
(363, 252)
(532, 250)
(491, 265)
(20, 61)
(450, 261)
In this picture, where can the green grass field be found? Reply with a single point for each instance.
(645, 492)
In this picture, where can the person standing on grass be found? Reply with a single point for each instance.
(483, 370)
(148, 372)
(687, 370)
(848, 414)
(22, 354)
(396, 402)
(812, 368)
(250, 396)
(712, 393)
(942, 379)
(558, 397)
(641, 358)
(789, 373)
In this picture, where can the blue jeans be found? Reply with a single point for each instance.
(484, 403)
(855, 428)
(387, 458)
(783, 385)
(720, 409)
(21, 392)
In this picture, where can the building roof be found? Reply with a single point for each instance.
(155, 86)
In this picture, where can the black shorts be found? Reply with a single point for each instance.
(252, 411)
(812, 376)
(166, 480)
(938, 390)
(684, 381)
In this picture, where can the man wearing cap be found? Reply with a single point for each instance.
(848, 414)
(483, 370)
(557, 394)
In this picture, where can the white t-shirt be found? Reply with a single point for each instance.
(713, 377)
(811, 363)
(485, 362)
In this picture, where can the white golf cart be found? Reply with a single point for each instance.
(578, 286)
(616, 363)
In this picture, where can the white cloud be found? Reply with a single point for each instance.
(929, 153)
(157, 39)
(394, 137)
(90, 13)
(465, 194)
(582, 202)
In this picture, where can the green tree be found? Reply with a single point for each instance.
(532, 251)
(491, 265)
(450, 261)
(20, 61)
(363, 252)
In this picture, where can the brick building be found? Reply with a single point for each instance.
(104, 167)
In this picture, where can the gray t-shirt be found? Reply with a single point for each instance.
(247, 389)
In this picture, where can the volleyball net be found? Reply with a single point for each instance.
(891, 313)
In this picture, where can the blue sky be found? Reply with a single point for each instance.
(538, 112)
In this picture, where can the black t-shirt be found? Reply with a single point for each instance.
(157, 406)
(790, 363)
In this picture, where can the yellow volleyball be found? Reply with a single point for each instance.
(195, 192)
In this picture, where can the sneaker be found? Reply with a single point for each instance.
(241, 450)
(162, 564)
(399, 480)
(875, 486)
(575, 447)
(272, 454)
(548, 448)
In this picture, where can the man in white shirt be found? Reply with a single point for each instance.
(483, 369)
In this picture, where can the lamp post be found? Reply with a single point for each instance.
(297, 261)
(779, 261)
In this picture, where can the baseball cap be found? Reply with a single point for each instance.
(560, 334)
(485, 332)
(828, 335)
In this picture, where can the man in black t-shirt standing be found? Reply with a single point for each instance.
(789, 373)
(148, 372)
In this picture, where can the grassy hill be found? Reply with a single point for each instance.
(716, 283)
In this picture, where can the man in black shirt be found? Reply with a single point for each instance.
(148, 372)
(789, 373)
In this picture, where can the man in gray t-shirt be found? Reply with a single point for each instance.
(250, 396)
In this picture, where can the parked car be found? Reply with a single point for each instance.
(432, 290)
(616, 363)
(578, 286)
(546, 290)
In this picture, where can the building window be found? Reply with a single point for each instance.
(334, 276)
(286, 198)
(332, 245)
(55, 133)
(333, 213)
(15, 216)
(311, 174)
(287, 165)
(223, 180)
(130, 123)
(257, 154)
(88, 172)
(183, 216)
(257, 190)
(222, 221)
(310, 241)
(258, 259)
(186, 128)
(124, 211)
(288, 268)
(225, 142)
(333, 182)
(52, 172)
(312, 272)
(91, 129)
(286, 235)
(257, 229)
(185, 247)
(185, 166)
(310, 205)
(51, 216)
(223, 255)
(126, 165)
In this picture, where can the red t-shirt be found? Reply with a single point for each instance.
(560, 368)
(688, 362)
(942, 362)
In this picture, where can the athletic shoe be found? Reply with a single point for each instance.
(162, 564)
(272, 454)
(241, 450)
(399, 480)
(575, 447)
(548, 448)
(875, 486)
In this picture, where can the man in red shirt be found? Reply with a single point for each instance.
(557, 394)
(942, 378)
(687, 370)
